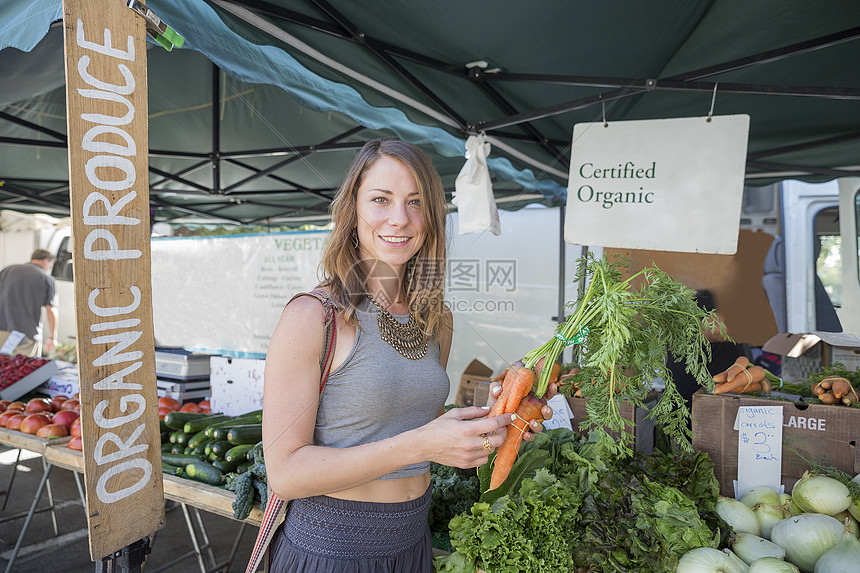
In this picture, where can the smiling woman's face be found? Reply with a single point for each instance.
(390, 221)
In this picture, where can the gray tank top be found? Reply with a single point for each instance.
(377, 393)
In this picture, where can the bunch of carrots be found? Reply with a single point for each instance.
(517, 398)
(742, 377)
(835, 390)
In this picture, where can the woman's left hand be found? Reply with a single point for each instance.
(535, 427)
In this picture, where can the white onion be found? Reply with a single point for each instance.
(761, 494)
(852, 524)
(854, 508)
(737, 515)
(751, 547)
(820, 494)
(806, 537)
(784, 498)
(707, 560)
(844, 557)
(739, 563)
(768, 516)
(772, 565)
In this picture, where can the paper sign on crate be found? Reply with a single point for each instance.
(759, 448)
(561, 413)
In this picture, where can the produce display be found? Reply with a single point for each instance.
(14, 367)
(219, 450)
(42, 417)
(813, 530)
(571, 503)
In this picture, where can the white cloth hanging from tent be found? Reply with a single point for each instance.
(473, 191)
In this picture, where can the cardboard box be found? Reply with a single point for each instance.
(643, 429)
(64, 382)
(29, 382)
(826, 435)
(236, 384)
(474, 385)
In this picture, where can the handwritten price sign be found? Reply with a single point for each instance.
(759, 447)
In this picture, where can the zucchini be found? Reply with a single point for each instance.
(243, 467)
(181, 460)
(204, 472)
(197, 439)
(198, 424)
(255, 417)
(176, 420)
(238, 454)
(166, 447)
(219, 448)
(225, 466)
(200, 449)
(181, 438)
(170, 469)
(174, 449)
(248, 434)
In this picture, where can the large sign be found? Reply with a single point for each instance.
(106, 99)
(226, 294)
(666, 184)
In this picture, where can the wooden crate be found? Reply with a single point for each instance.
(826, 435)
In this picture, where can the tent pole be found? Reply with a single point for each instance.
(216, 129)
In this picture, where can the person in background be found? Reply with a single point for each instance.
(355, 459)
(24, 290)
(723, 354)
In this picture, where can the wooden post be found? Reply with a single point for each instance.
(106, 103)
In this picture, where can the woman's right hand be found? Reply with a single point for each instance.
(465, 437)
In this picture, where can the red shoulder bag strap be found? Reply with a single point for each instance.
(276, 508)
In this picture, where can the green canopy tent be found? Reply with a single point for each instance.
(257, 117)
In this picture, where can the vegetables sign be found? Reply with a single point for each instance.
(106, 95)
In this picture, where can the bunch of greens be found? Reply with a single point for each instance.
(836, 369)
(622, 335)
(454, 492)
(587, 507)
(518, 533)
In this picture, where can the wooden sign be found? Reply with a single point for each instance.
(106, 99)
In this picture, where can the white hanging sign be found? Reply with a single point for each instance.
(665, 184)
(561, 414)
(759, 447)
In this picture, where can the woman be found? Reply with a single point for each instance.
(356, 458)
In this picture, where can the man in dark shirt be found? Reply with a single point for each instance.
(24, 290)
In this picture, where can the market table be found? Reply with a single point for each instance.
(198, 496)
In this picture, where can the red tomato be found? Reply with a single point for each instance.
(38, 405)
(76, 443)
(52, 431)
(16, 406)
(65, 417)
(14, 422)
(5, 402)
(33, 422)
(71, 404)
(75, 429)
(168, 402)
(57, 401)
(190, 407)
(6, 415)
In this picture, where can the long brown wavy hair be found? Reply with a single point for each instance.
(343, 273)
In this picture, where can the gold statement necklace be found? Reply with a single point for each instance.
(407, 339)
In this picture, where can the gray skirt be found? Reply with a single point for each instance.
(327, 535)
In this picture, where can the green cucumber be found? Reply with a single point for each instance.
(204, 472)
(220, 448)
(176, 420)
(197, 439)
(198, 424)
(170, 469)
(247, 434)
(181, 460)
(225, 466)
(238, 454)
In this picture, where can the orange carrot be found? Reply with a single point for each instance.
(741, 383)
(553, 374)
(518, 383)
(739, 366)
(529, 409)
